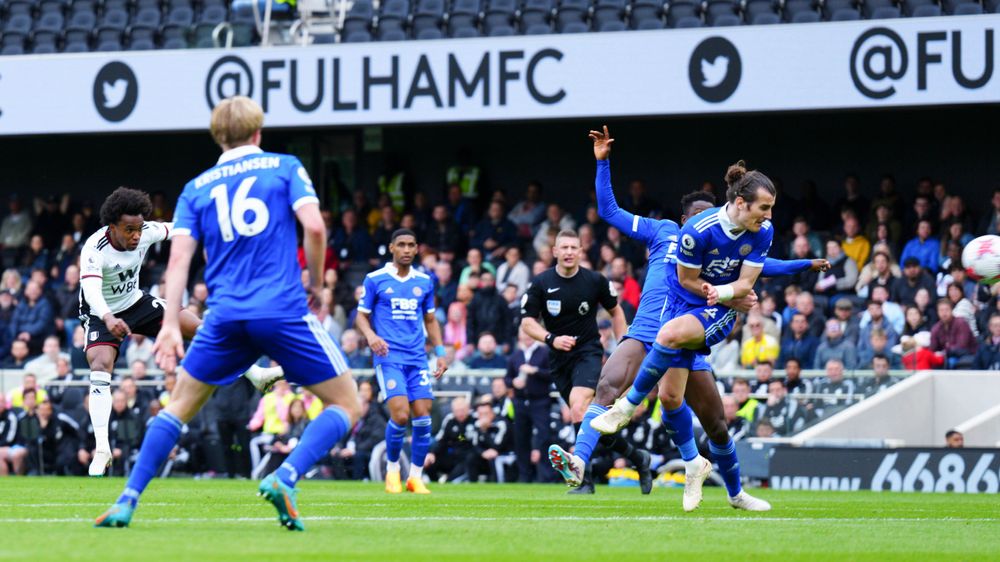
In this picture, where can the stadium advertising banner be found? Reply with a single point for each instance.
(972, 471)
(865, 64)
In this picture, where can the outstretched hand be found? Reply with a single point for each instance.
(820, 265)
(602, 143)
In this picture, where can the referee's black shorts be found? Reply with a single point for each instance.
(579, 367)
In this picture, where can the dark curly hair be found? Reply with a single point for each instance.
(688, 200)
(125, 201)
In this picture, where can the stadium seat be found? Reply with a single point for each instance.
(19, 24)
(682, 15)
(884, 13)
(177, 23)
(76, 47)
(44, 43)
(147, 18)
(967, 9)
(141, 43)
(609, 10)
(46, 6)
(359, 16)
(794, 7)
(81, 21)
(725, 20)
(645, 10)
(243, 29)
(109, 40)
(649, 23)
(501, 30)
(429, 14)
(991, 6)
(499, 13)
(174, 43)
(464, 32)
(573, 27)
(463, 13)
(845, 14)
(925, 11)
(761, 12)
(210, 17)
(572, 10)
(397, 11)
(114, 19)
(13, 47)
(536, 12)
(390, 31)
(611, 25)
(429, 33)
(809, 16)
(357, 36)
(538, 29)
(19, 7)
(50, 22)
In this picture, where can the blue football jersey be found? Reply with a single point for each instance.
(707, 242)
(397, 306)
(243, 211)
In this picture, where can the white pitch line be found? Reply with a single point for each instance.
(460, 518)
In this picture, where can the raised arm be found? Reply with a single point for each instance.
(634, 226)
(781, 268)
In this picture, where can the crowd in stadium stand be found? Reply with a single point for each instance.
(896, 297)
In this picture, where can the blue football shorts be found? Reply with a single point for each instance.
(223, 350)
(411, 381)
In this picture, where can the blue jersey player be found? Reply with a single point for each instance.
(721, 253)
(661, 237)
(395, 313)
(243, 210)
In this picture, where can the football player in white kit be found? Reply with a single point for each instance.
(112, 306)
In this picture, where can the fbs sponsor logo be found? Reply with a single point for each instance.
(715, 69)
(116, 91)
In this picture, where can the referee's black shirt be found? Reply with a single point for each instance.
(568, 306)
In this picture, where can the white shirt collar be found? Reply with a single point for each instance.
(392, 270)
(530, 350)
(727, 225)
(239, 152)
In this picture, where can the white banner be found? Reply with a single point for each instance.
(920, 61)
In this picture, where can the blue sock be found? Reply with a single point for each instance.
(587, 437)
(421, 440)
(319, 437)
(680, 420)
(656, 363)
(393, 440)
(729, 465)
(160, 439)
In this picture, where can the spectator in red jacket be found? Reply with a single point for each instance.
(953, 337)
(916, 353)
(620, 271)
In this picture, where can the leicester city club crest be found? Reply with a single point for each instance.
(417, 291)
(745, 249)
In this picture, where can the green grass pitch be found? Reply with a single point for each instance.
(45, 519)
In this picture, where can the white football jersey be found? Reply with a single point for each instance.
(119, 270)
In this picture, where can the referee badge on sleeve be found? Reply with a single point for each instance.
(554, 307)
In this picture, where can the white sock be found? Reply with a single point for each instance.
(100, 408)
(416, 471)
(692, 466)
(392, 466)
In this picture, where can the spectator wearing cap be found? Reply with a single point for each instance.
(924, 247)
(843, 312)
(799, 344)
(759, 347)
(904, 289)
(988, 354)
(14, 232)
(833, 346)
(953, 337)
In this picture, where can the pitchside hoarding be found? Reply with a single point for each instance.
(866, 64)
(971, 471)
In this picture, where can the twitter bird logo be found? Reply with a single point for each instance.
(715, 69)
(114, 92)
(714, 72)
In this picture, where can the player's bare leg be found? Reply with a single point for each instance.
(399, 413)
(619, 371)
(702, 395)
(101, 359)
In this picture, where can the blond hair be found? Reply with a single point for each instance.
(235, 120)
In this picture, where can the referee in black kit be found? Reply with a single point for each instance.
(566, 298)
